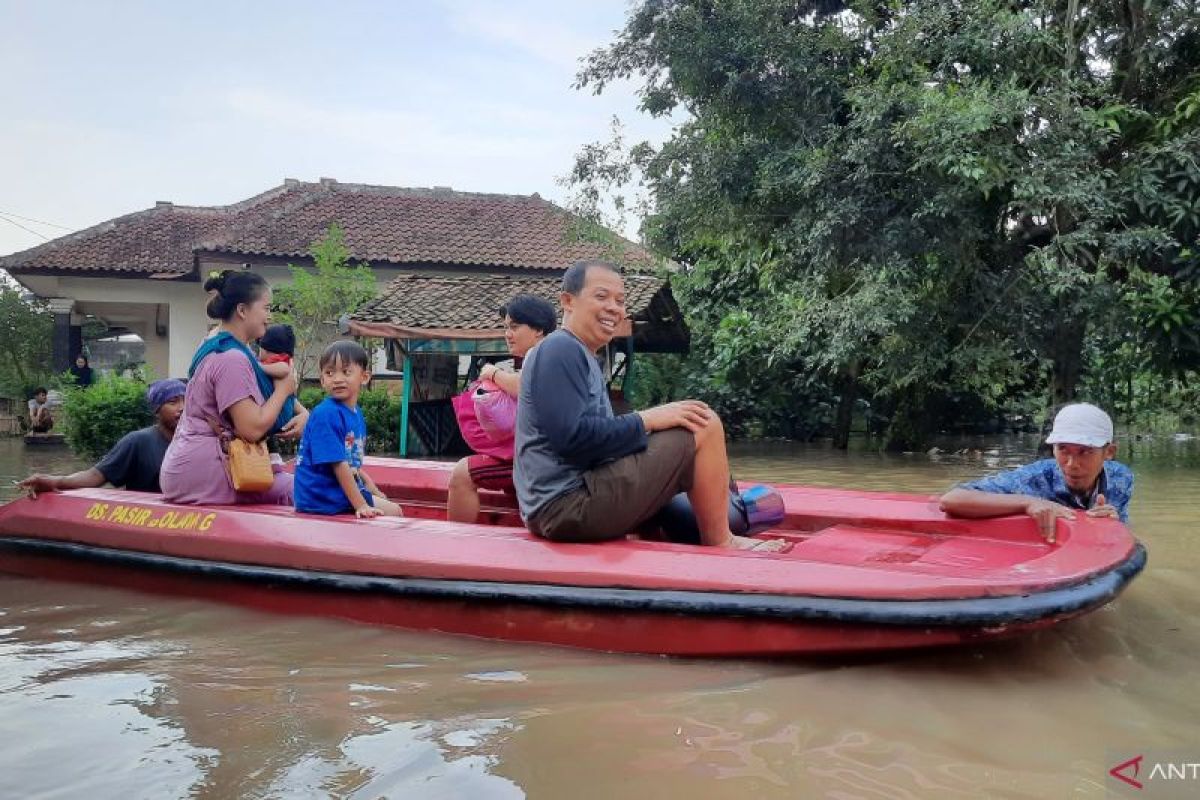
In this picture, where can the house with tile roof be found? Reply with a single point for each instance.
(143, 272)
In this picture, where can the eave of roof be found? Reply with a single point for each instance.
(468, 308)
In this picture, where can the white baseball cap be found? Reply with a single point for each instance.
(1081, 423)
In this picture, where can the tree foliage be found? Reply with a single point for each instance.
(27, 330)
(315, 299)
(932, 205)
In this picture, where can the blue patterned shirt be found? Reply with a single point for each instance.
(1044, 479)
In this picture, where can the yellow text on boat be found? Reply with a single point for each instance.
(142, 517)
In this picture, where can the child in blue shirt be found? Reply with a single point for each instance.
(329, 474)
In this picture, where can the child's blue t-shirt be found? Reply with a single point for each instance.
(334, 433)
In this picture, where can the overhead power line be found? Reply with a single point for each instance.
(22, 227)
(38, 221)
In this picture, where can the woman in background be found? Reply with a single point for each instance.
(81, 371)
(527, 320)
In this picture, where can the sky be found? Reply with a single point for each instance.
(108, 107)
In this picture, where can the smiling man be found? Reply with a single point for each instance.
(1082, 475)
(583, 474)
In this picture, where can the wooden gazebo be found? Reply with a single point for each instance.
(428, 315)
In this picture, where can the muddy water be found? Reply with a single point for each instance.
(112, 694)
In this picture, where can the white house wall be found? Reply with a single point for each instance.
(144, 306)
(148, 306)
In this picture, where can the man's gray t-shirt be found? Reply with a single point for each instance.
(565, 423)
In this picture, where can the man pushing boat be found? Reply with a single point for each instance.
(1082, 475)
(585, 475)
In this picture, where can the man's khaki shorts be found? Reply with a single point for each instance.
(619, 496)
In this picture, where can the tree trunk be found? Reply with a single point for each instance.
(1067, 350)
(909, 428)
(845, 408)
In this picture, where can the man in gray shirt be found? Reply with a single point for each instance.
(583, 474)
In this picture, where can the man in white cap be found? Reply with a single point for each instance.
(1082, 475)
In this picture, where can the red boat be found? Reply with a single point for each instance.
(866, 571)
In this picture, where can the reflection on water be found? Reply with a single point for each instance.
(107, 693)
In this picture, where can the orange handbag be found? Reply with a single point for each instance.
(250, 466)
(248, 463)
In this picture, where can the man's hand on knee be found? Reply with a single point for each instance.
(690, 414)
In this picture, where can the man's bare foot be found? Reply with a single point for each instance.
(757, 545)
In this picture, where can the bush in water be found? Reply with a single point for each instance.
(97, 416)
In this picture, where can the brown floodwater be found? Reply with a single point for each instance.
(109, 693)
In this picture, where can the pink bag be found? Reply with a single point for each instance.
(469, 420)
(496, 410)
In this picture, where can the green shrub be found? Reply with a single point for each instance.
(310, 396)
(96, 417)
(382, 413)
(380, 410)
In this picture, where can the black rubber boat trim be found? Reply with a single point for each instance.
(975, 612)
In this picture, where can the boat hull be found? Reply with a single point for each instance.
(45, 440)
(695, 626)
(865, 571)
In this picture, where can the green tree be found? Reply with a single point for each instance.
(315, 299)
(916, 201)
(27, 329)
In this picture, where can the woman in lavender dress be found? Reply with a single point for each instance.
(227, 387)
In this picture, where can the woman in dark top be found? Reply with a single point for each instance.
(81, 371)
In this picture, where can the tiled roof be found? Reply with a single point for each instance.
(382, 224)
(440, 307)
(406, 226)
(157, 241)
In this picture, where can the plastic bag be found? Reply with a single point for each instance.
(496, 410)
(473, 432)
